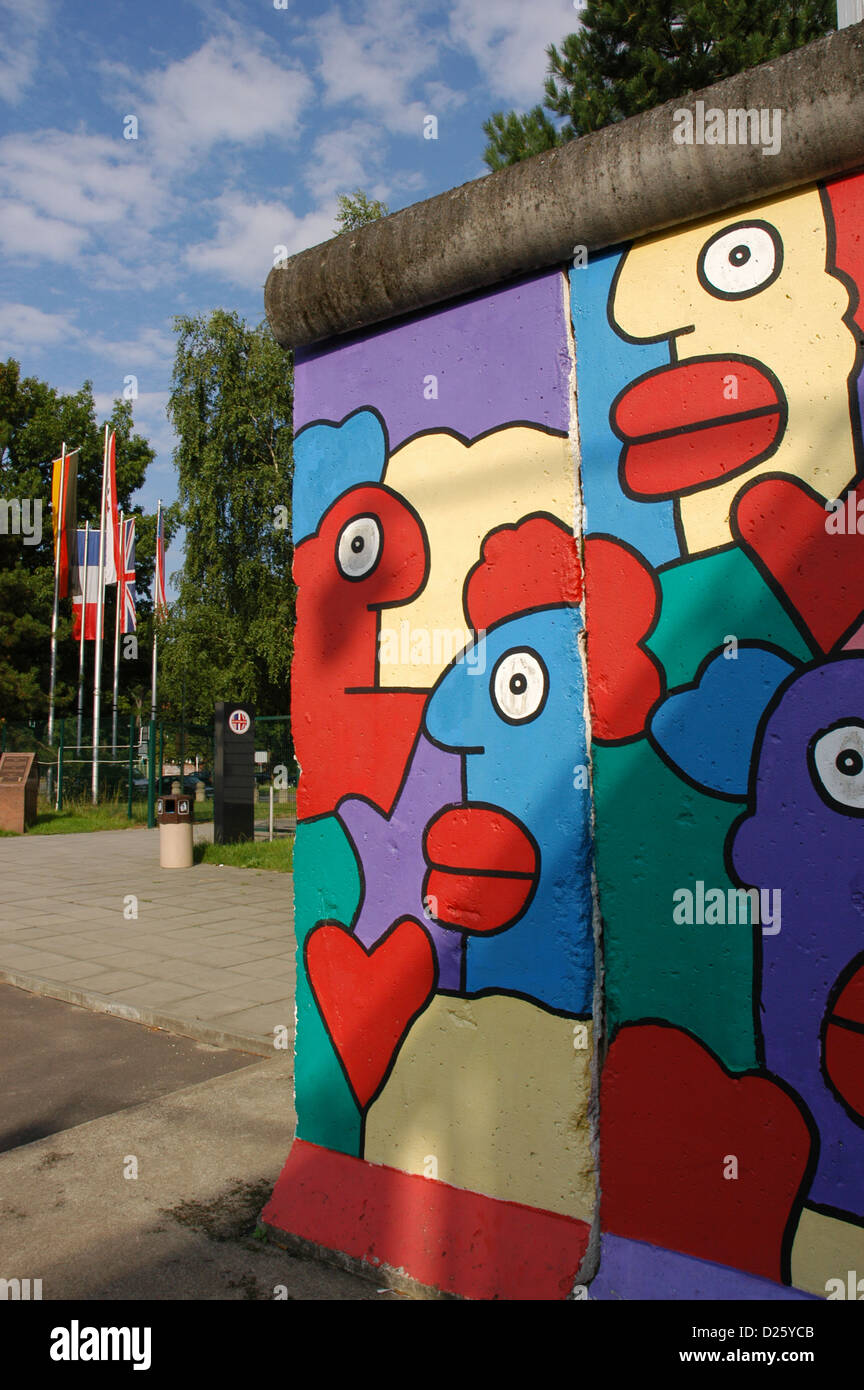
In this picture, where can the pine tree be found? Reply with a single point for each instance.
(513, 137)
(629, 57)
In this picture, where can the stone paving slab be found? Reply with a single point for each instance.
(210, 954)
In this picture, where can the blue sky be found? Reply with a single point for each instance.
(251, 120)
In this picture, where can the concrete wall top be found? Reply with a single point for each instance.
(619, 183)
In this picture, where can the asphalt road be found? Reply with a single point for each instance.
(134, 1164)
(61, 1065)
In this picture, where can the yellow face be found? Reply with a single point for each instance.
(760, 362)
(462, 492)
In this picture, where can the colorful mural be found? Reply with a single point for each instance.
(443, 856)
(579, 678)
(720, 395)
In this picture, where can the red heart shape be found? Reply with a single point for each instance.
(369, 999)
(671, 1121)
(782, 524)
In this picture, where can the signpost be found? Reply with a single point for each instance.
(234, 773)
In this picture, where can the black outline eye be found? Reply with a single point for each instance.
(519, 685)
(741, 260)
(358, 548)
(836, 757)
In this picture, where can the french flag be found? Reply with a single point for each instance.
(91, 563)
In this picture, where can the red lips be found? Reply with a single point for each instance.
(844, 1043)
(688, 425)
(483, 868)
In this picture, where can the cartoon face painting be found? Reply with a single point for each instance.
(369, 552)
(510, 865)
(521, 747)
(741, 300)
(804, 838)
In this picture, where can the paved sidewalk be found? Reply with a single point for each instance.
(210, 955)
(74, 1215)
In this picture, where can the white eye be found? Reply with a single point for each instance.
(358, 547)
(838, 763)
(519, 685)
(740, 261)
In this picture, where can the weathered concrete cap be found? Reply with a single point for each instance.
(619, 183)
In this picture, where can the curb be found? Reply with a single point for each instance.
(196, 1029)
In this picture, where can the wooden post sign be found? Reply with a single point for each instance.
(19, 788)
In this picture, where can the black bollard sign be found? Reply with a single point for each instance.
(234, 773)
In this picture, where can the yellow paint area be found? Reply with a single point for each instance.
(462, 492)
(491, 1094)
(825, 1248)
(794, 326)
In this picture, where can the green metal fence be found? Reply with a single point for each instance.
(149, 758)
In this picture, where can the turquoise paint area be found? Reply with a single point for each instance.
(327, 886)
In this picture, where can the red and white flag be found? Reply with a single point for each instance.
(161, 602)
(112, 516)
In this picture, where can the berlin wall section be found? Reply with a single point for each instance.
(443, 855)
(578, 699)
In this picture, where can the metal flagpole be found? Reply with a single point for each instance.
(81, 646)
(119, 592)
(55, 612)
(155, 616)
(100, 603)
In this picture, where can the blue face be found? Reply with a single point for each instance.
(514, 705)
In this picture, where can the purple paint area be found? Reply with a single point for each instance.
(497, 357)
(630, 1269)
(807, 846)
(390, 852)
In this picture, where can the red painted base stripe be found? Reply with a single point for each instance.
(444, 1237)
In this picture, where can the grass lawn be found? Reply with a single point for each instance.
(263, 854)
(80, 814)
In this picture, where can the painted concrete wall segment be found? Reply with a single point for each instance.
(560, 679)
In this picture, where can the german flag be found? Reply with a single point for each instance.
(64, 510)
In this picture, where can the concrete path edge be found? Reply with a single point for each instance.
(152, 1018)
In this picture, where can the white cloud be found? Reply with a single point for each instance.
(242, 251)
(508, 42)
(151, 348)
(380, 63)
(227, 91)
(343, 160)
(150, 419)
(22, 23)
(27, 235)
(92, 180)
(23, 327)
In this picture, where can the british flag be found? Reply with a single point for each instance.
(128, 614)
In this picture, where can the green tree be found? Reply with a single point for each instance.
(35, 419)
(356, 209)
(627, 58)
(230, 631)
(513, 137)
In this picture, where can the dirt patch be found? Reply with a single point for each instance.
(231, 1214)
